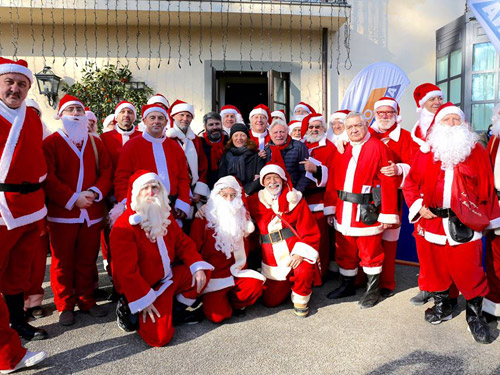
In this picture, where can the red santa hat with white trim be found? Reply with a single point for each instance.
(180, 106)
(19, 67)
(292, 195)
(261, 109)
(445, 110)
(305, 106)
(308, 119)
(424, 92)
(339, 115)
(159, 99)
(229, 109)
(390, 102)
(280, 114)
(155, 107)
(65, 102)
(90, 115)
(125, 104)
(294, 124)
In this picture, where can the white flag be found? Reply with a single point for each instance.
(487, 14)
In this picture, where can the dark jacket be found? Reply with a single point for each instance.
(243, 165)
(294, 153)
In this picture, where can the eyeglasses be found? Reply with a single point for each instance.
(74, 109)
(311, 127)
(385, 113)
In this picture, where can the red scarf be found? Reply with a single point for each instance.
(385, 134)
(216, 151)
(276, 151)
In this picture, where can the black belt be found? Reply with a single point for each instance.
(442, 212)
(498, 194)
(24, 188)
(355, 198)
(277, 236)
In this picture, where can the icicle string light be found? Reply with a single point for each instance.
(241, 36)
(63, 35)
(137, 35)
(96, 29)
(179, 34)
(127, 36)
(251, 36)
(85, 31)
(200, 47)
(189, 32)
(116, 33)
(159, 33)
(150, 51)
(107, 34)
(211, 34)
(43, 32)
(262, 37)
(347, 38)
(32, 28)
(169, 29)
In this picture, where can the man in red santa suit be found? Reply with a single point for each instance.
(155, 261)
(321, 152)
(301, 110)
(259, 122)
(153, 151)
(22, 209)
(361, 202)
(290, 240)
(230, 115)
(387, 128)
(336, 130)
(450, 191)
(182, 114)
(491, 303)
(220, 238)
(79, 177)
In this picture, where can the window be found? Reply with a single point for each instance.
(449, 76)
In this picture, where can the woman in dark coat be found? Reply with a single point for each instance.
(241, 160)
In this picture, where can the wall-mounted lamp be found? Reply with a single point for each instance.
(48, 84)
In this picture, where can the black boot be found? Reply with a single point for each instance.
(421, 298)
(183, 314)
(442, 309)
(15, 304)
(346, 289)
(476, 321)
(372, 294)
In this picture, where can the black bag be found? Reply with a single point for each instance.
(368, 213)
(126, 320)
(459, 232)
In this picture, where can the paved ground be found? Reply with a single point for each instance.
(337, 338)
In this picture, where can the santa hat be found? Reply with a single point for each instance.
(180, 106)
(148, 108)
(229, 109)
(305, 106)
(294, 124)
(445, 110)
(261, 109)
(125, 104)
(292, 195)
(280, 114)
(159, 99)
(308, 119)
(339, 115)
(424, 92)
(31, 103)
(90, 115)
(390, 102)
(19, 67)
(65, 102)
(108, 120)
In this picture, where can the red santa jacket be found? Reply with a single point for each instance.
(494, 156)
(196, 158)
(430, 186)
(71, 171)
(270, 216)
(21, 161)
(114, 140)
(357, 171)
(320, 153)
(139, 264)
(261, 140)
(160, 155)
(225, 269)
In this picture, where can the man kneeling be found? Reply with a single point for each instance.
(221, 241)
(147, 242)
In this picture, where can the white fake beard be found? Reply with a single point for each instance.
(313, 139)
(274, 189)
(154, 217)
(299, 117)
(75, 127)
(451, 144)
(495, 129)
(425, 120)
(228, 220)
(385, 126)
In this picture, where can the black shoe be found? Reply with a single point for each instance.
(476, 321)
(28, 332)
(372, 294)
(238, 313)
(346, 289)
(36, 312)
(113, 296)
(183, 314)
(442, 309)
(386, 293)
(100, 294)
(67, 318)
(421, 298)
(454, 303)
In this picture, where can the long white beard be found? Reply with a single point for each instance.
(154, 217)
(425, 120)
(75, 127)
(312, 139)
(299, 117)
(495, 129)
(451, 144)
(229, 222)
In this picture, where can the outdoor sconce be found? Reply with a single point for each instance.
(48, 84)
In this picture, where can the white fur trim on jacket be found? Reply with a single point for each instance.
(143, 302)
(424, 146)
(413, 211)
(389, 219)
(187, 144)
(330, 210)
(219, 284)
(304, 250)
(201, 265)
(494, 224)
(348, 273)
(372, 270)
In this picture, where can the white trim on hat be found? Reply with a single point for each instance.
(317, 118)
(258, 111)
(125, 105)
(16, 68)
(140, 182)
(182, 107)
(271, 168)
(295, 125)
(226, 182)
(279, 114)
(67, 104)
(338, 116)
(228, 111)
(391, 103)
(303, 107)
(158, 99)
(448, 111)
(429, 95)
(154, 109)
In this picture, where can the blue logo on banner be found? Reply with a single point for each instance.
(392, 91)
(490, 12)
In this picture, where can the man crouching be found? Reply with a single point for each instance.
(147, 242)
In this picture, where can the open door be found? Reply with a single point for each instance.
(279, 91)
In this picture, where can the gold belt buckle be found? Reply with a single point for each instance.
(272, 234)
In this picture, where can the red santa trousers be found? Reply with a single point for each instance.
(161, 332)
(219, 305)
(34, 295)
(387, 277)
(493, 273)
(461, 265)
(299, 280)
(11, 350)
(74, 254)
(324, 242)
(349, 250)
